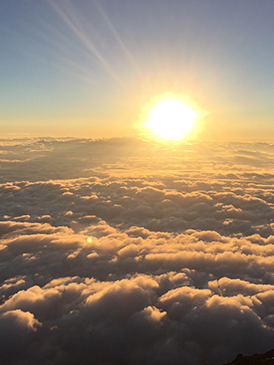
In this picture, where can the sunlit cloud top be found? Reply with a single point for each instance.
(126, 251)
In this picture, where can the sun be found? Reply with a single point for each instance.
(171, 118)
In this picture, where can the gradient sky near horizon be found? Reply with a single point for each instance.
(87, 68)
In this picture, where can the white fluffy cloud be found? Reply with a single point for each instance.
(135, 267)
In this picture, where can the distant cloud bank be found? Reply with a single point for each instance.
(126, 251)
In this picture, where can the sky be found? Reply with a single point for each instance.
(89, 68)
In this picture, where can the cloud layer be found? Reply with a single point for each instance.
(130, 267)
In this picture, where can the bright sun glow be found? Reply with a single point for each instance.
(171, 118)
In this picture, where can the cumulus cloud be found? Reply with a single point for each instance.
(136, 266)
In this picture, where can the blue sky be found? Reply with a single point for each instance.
(87, 68)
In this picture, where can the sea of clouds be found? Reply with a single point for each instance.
(126, 251)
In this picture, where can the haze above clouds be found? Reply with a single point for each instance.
(154, 254)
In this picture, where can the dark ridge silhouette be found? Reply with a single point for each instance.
(257, 359)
